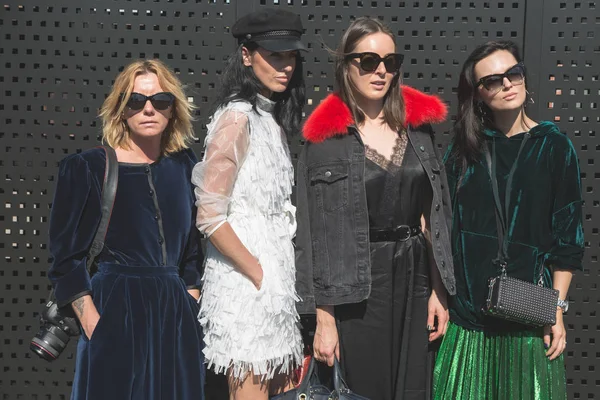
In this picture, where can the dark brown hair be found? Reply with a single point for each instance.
(393, 103)
(474, 116)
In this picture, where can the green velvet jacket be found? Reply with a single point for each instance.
(544, 225)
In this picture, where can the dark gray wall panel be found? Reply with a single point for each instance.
(57, 63)
(567, 92)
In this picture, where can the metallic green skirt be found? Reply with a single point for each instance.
(475, 365)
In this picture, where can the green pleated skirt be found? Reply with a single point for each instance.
(475, 365)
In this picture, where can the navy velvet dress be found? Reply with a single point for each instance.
(147, 344)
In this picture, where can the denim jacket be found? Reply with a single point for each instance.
(332, 244)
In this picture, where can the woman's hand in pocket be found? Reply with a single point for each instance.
(90, 325)
(195, 293)
(256, 276)
(86, 312)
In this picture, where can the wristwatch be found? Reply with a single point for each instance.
(564, 305)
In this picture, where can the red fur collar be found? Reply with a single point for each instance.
(333, 117)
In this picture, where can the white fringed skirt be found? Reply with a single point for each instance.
(245, 329)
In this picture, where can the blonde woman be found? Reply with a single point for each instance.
(140, 337)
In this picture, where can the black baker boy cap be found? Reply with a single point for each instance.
(272, 29)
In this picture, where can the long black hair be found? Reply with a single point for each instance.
(474, 115)
(239, 83)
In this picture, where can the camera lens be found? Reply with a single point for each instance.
(49, 342)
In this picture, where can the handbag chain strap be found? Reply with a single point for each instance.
(503, 214)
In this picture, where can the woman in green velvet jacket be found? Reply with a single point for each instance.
(483, 357)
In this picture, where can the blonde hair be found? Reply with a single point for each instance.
(179, 132)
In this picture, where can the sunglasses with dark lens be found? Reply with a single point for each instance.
(369, 62)
(160, 101)
(495, 83)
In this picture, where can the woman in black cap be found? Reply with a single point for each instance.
(243, 189)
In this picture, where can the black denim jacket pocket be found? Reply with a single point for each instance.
(330, 184)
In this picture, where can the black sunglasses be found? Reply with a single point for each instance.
(495, 82)
(369, 62)
(160, 101)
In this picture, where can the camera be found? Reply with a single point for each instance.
(57, 326)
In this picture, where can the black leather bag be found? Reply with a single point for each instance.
(509, 298)
(311, 388)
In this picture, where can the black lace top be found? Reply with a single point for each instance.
(398, 190)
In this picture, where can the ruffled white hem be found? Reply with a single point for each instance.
(266, 369)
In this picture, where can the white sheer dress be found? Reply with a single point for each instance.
(246, 179)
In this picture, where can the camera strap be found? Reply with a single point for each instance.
(109, 191)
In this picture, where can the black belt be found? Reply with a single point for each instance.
(400, 233)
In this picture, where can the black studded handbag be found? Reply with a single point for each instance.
(509, 298)
(520, 301)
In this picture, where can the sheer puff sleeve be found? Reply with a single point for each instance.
(73, 222)
(226, 148)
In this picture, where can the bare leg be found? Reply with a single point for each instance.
(250, 388)
(281, 383)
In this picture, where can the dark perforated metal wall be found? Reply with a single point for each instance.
(563, 45)
(57, 63)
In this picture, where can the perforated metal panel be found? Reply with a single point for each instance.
(57, 63)
(435, 37)
(567, 42)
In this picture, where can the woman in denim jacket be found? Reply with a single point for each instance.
(373, 252)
